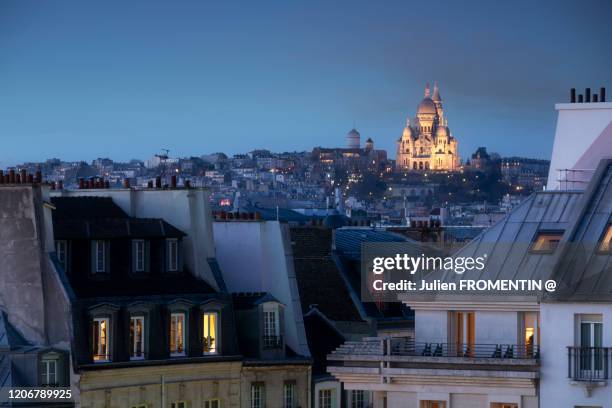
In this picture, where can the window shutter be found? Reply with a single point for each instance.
(147, 260)
(107, 257)
(92, 251)
(134, 256)
(179, 255)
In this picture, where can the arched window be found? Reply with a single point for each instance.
(420, 165)
(414, 165)
(426, 165)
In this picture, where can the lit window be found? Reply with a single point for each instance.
(178, 404)
(209, 338)
(213, 403)
(357, 399)
(100, 256)
(433, 404)
(326, 398)
(606, 241)
(137, 341)
(101, 339)
(61, 250)
(531, 332)
(289, 395)
(271, 326)
(258, 395)
(172, 253)
(139, 255)
(546, 241)
(177, 334)
(49, 370)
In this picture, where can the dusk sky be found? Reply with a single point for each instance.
(123, 79)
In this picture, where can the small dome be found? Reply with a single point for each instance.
(408, 133)
(427, 107)
(369, 140)
(442, 131)
(354, 132)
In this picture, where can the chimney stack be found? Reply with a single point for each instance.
(126, 183)
(602, 94)
(573, 95)
(173, 181)
(587, 94)
(150, 184)
(11, 176)
(158, 182)
(60, 185)
(580, 98)
(38, 177)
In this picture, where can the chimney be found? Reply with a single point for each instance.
(126, 183)
(1, 177)
(173, 181)
(81, 183)
(187, 184)
(38, 177)
(580, 98)
(30, 179)
(23, 176)
(573, 95)
(91, 183)
(11, 176)
(150, 184)
(107, 184)
(53, 186)
(60, 185)
(595, 98)
(158, 182)
(602, 94)
(587, 95)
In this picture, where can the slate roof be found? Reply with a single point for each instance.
(249, 300)
(101, 218)
(319, 280)
(348, 241)
(581, 273)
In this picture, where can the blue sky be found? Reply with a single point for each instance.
(123, 79)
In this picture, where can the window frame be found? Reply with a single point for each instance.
(108, 337)
(143, 337)
(205, 339)
(169, 256)
(209, 403)
(179, 404)
(546, 233)
(289, 399)
(136, 257)
(184, 333)
(322, 398)
(260, 389)
(606, 237)
(45, 360)
(98, 261)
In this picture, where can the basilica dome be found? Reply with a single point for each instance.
(427, 107)
(442, 131)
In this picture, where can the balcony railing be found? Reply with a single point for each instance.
(589, 363)
(272, 342)
(408, 347)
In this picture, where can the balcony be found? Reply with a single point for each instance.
(395, 360)
(272, 342)
(591, 364)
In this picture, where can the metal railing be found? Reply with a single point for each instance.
(407, 347)
(272, 342)
(589, 363)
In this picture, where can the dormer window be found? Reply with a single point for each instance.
(101, 339)
(137, 338)
(546, 241)
(209, 338)
(605, 245)
(271, 320)
(49, 370)
(172, 254)
(177, 334)
(139, 256)
(100, 256)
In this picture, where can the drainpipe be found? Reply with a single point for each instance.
(163, 392)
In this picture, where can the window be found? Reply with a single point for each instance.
(258, 399)
(178, 404)
(605, 245)
(172, 254)
(138, 246)
(61, 248)
(289, 394)
(271, 326)
(137, 340)
(357, 399)
(213, 403)
(177, 334)
(49, 365)
(100, 257)
(326, 398)
(591, 342)
(530, 332)
(463, 331)
(209, 338)
(546, 241)
(433, 404)
(101, 339)
(503, 405)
